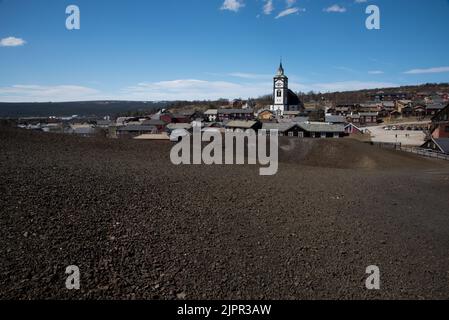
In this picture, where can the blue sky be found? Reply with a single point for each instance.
(207, 49)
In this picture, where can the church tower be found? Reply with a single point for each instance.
(280, 91)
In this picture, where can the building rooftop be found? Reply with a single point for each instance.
(153, 122)
(405, 101)
(211, 112)
(281, 127)
(104, 122)
(300, 119)
(174, 126)
(322, 127)
(291, 113)
(136, 128)
(335, 119)
(241, 124)
(231, 111)
(159, 136)
(443, 144)
(389, 104)
(368, 114)
(436, 106)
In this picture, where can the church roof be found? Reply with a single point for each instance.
(292, 98)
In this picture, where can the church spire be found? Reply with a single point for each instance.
(281, 69)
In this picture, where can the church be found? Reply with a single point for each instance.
(284, 98)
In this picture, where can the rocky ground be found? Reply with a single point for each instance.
(139, 227)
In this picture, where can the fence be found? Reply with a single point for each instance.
(426, 153)
(418, 151)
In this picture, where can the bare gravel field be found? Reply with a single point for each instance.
(139, 227)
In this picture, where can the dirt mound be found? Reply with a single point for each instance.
(348, 154)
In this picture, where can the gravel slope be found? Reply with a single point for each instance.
(141, 228)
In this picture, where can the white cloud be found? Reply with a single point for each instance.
(289, 11)
(38, 93)
(183, 89)
(268, 7)
(346, 69)
(250, 75)
(12, 42)
(232, 5)
(335, 8)
(193, 89)
(427, 71)
(361, 1)
(290, 3)
(376, 72)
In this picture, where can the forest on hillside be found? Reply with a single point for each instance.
(84, 108)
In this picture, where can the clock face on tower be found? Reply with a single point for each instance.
(279, 84)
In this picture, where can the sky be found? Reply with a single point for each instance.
(209, 49)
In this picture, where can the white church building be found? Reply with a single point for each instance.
(284, 98)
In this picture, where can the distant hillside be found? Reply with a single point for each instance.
(361, 96)
(134, 108)
(88, 108)
(330, 98)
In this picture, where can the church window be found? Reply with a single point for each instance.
(279, 93)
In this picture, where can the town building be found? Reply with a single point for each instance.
(178, 126)
(211, 115)
(265, 115)
(419, 111)
(370, 107)
(343, 109)
(84, 130)
(440, 124)
(363, 118)
(104, 124)
(153, 136)
(131, 131)
(306, 129)
(351, 128)
(404, 107)
(158, 124)
(291, 114)
(242, 125)
(299, 119)
(438, 145)
(389, 96)
(284, 129)
(335, 119)
(249, 104)
(321, 130)
(434, 108)
(235, 114)
(177, 118)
